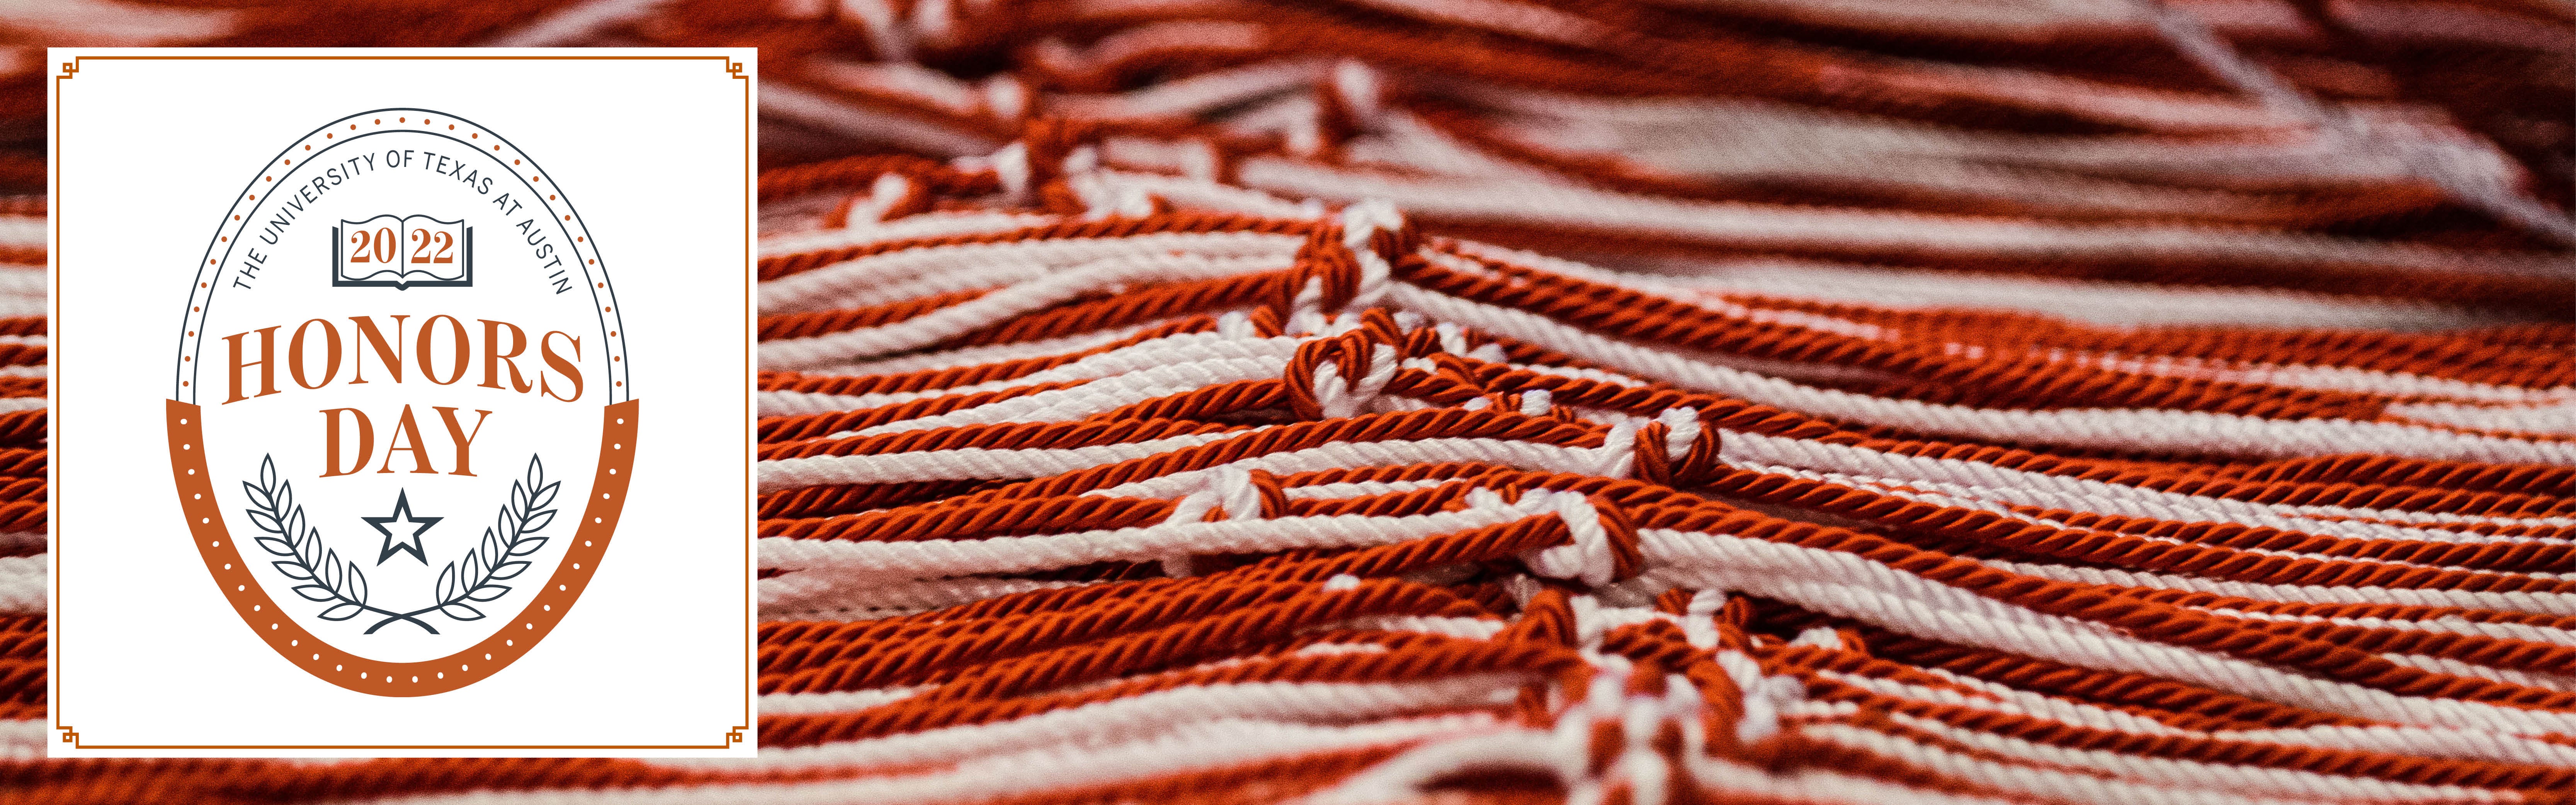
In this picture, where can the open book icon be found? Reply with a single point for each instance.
(402, 252)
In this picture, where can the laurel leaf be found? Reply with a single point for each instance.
(357, 584)
(285, 497)
(294, 522)
(293, 570)
(315, 592)
(276, 546)
(490, 560)
(341, 612)
(266, 521)
(258, 497)
(331, 569)
(311, 551)
(267, 472)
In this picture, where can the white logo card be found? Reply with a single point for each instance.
(401, 402)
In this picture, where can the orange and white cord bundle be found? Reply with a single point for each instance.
(1598, 401)
(1747, 544)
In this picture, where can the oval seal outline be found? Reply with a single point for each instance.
(201, 504)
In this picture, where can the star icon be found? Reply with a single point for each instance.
(409, 542)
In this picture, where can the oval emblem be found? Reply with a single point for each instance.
(400, 418)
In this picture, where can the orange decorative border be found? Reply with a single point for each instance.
(568, 577)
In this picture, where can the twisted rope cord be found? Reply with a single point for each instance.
(1148, 452)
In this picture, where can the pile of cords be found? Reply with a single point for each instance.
(1759, 401)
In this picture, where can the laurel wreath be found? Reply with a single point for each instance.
(496, 559)
(329, 578)
(341, 584)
